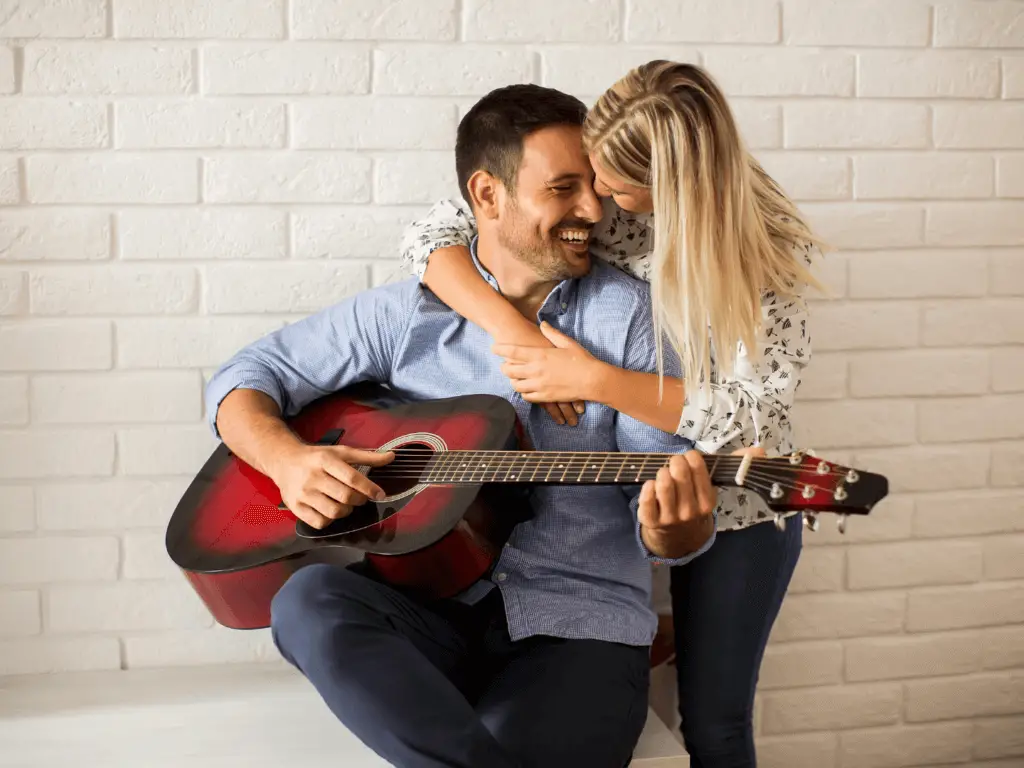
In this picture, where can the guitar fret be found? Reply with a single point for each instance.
(622, 466)
(642, 465)
(564, 464)
(437, 471)
(536, 466)
(584, 468)
(601, 470)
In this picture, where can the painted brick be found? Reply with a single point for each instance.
(820, 569)
(350, 233)
(17, 508)
(825, 380)
(112, 178)
(979, 605)
(285, 68)
(27, 235)
(980, 322)
(1010, 176)
(974, 418)
(145, 556)
(38, 560)
(968, 514)
(51, 453)
(186, 342)
(914, 564)
(997, 24)
(373, 20)
(292, 288)
(1002, 648)
(890, 520)
(860, 22)
(759, 122)
(46, 655)
(199, 19)
(20, 615)
(906, 373)
(963, 697)
(1008, 370)
(890, 176)
(801, 664)
(419, 177)
(13, 400)
(814, 750)
(932, 74)
(374, 123)
(202, 646)
(116, 398)
(12, 292)
(917, 274)
(703, 21)
(129, 290)
(295, 177)
(1004, 556)
(448, 71)
(182, 124)
(1013, 77)
(979, 126)
(55, 346)
(809, 176)
(1003, 737)
(530, 21)
(906, 746)
(1006, 273)
(867, 226)
(1007, 464)
(833, 616)
(865, 325)
(855, 125)
(10, 183)
(587, 70)
(56, 124)
(107, 68)
(781, 72)
(125, 606)
(202, 234)
(53, 18)
(108, 504)
(164, 450)
(929, 468)
(822, 709)
(893, 658)
(851, 424)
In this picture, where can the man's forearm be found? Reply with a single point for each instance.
(250, 424)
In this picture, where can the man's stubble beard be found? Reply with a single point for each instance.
(545, 257)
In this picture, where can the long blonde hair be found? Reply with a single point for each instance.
(724, 231)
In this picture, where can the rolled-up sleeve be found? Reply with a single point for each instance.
(447, 223)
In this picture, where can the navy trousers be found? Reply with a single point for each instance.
(442, 684)
(723, 605)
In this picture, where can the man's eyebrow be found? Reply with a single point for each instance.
(565, 177)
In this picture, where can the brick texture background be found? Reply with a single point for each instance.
(178, 178)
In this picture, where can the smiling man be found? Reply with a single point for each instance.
(545, 662)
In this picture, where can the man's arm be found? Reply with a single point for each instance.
(278, 375)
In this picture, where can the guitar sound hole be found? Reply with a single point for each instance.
(404, 472)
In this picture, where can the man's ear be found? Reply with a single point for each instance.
(484, 194)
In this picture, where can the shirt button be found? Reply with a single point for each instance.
(564, 305)
(502, 576)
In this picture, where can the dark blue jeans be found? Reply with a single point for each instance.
(723, 605)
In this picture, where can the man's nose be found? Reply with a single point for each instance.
(589, 205)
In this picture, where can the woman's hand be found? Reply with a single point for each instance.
(562, 373)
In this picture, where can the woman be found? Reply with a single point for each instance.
(726, 254)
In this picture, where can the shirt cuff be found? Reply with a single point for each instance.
(678, 560)
(222, 386)
(697, 410)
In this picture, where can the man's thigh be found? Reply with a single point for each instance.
(556, 703)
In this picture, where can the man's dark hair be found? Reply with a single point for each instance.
(490, 136)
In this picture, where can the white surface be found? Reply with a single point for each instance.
(236, 716)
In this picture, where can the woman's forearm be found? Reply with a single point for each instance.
(452, 276)
(636, 394)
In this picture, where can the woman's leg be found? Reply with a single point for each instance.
(724, 604)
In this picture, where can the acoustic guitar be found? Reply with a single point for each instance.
(454, 494)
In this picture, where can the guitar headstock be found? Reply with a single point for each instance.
(805, 483)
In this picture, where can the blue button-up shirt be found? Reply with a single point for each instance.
(577, 568)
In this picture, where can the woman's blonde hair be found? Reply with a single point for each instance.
(724, 232)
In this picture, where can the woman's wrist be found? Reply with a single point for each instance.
(603, 382)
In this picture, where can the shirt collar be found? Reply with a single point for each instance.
(557, 302)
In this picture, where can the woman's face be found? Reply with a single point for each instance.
(626, 196)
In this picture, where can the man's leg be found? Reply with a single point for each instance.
(390, 669)
(724, 605)
(555, 703)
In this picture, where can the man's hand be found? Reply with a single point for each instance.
(320, 483)
(676, 508)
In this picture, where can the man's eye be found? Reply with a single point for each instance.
(563, 189)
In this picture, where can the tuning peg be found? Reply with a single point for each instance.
(811, 452)
(811, 521)
(841, 524)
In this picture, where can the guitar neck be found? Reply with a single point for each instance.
(564, 468)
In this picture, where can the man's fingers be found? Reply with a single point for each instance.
(348, 474)
(554, 412)
(371, 458)
(337, 490)
(704, 491)
(308, 515)
(647, 509)
(571, 417)
(665, 489)
(330, 508)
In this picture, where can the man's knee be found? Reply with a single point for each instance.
(312, 598)
(706, 738)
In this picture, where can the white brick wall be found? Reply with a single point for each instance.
(177, 179)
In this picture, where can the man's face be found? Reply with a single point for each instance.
(548, 221)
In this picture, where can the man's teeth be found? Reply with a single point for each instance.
(573, 235)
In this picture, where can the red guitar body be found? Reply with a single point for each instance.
(237, 547)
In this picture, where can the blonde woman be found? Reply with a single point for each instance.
(688, 209)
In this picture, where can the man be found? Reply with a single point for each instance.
(545, 663)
